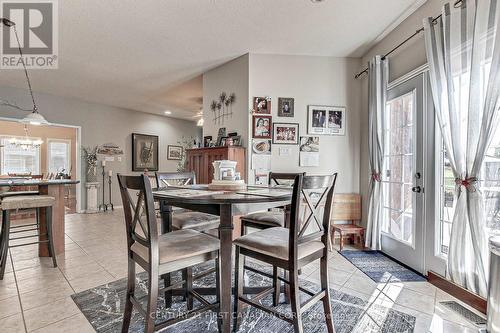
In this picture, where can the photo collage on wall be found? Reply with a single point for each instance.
(321, 120)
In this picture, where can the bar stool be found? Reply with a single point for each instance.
(24, 202)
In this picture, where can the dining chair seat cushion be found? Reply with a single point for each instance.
(194, 220)
(27, 201)
(274, 242)
(273, 219)
(178, 246)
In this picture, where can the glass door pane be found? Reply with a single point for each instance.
(398, 168)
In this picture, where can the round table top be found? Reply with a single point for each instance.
(35, 182)
(260, 195)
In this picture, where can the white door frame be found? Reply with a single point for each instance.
(78, 169)
(433, 260)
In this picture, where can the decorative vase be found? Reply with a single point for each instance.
(91, 174)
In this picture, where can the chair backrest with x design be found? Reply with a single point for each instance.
(282, 179)
(314, 194)
(140, 218)
(165, 179)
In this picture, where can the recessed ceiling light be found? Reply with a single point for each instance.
(168, 112)
(317, 1)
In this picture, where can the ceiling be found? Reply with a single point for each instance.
(148, 55)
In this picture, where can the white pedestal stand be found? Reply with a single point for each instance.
(92, 189)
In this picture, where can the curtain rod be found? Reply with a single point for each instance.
(456, 5)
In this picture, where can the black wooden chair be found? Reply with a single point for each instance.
(271, 218)
(182, 219)
(290, 249)
(159, 255)
(185, 219)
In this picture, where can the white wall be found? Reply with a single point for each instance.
(231, 77)
(101, 124)
(312, 80)
(408, 57)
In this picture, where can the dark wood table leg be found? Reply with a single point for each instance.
(166, 226)
(166, 217)
(226, 245)
(56, 191)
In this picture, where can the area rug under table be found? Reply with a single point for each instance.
(379, 267)
(103, 307)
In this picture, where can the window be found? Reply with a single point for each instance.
(447, 200)
(59, 156)
(489, 180)
(18, 160)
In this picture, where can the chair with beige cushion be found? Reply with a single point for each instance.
(182, 218)
(270, 219)
(291, 249)
(160, 254)
(14, 203)
(264, 220)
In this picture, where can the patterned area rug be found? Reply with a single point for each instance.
(379, 267)
(103, 307)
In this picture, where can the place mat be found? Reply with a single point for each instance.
(266, 192)
(103, 307)
(187, 193)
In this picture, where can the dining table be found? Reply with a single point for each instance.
(227, 205)
(53, 188)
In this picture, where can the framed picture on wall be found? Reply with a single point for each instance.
(261, 127)
(326, 120)
(174, 152)
(286, 133)
(262, 105)
(285, 107)
(206, 140)
(144, 152)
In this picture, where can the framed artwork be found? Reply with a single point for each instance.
(221, 134)
(223, 141)
(174, 152)
(286, 133)
(144, 152)
(309, 144)
(237, 140)
(326, 120)
(262, 105)
(206, 140)
(261, 127)
(285, 107)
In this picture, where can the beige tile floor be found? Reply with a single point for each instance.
(35, 297)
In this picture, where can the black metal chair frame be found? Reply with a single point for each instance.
(133, 213)
(293, 264)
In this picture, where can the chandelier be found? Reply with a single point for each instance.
(25, 143)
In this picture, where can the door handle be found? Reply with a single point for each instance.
(416, 189)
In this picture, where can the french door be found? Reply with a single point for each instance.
(402, 178)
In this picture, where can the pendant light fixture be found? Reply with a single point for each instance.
(34, 118)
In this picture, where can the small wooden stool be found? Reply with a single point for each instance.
(25, 202)
(346, 207)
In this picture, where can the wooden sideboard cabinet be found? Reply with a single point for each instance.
(200, 161)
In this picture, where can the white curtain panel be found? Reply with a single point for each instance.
(463, 51)
(377, 92)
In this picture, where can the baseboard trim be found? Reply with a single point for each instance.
(471, 299)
